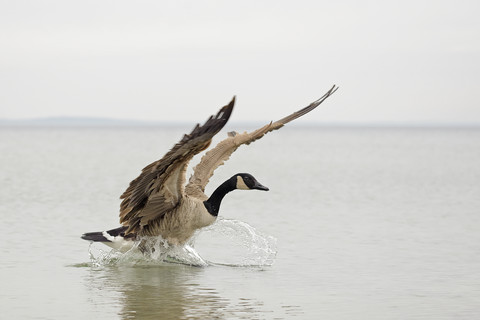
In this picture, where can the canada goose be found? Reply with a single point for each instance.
(157, 202)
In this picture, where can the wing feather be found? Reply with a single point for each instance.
(160, 186)
(224, 149)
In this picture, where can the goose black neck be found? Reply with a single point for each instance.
(213, 203)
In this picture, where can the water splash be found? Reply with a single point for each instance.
(146, 251)
(242, 245)
(236, 243)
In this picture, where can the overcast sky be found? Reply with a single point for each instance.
(395, 61)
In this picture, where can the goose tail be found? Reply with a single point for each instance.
(114, 238)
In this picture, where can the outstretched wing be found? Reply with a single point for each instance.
(222, 151)
(159, 187)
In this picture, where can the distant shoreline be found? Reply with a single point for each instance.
(79, 122)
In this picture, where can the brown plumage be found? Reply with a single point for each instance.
(150, 196)
(157, 202)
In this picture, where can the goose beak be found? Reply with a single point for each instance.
(258, 186)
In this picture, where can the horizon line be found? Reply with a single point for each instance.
(65, 121)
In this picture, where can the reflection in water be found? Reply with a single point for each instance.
(166, 292)
(143, 286)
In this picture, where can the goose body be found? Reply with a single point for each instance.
(158, 203)
(179, 224)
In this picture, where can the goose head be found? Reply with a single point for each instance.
(243, 181)
(246, 181)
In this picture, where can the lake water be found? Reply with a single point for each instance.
(358, 224)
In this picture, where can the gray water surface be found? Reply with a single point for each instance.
(365, 223)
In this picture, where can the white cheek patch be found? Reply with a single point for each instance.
(241, 184)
